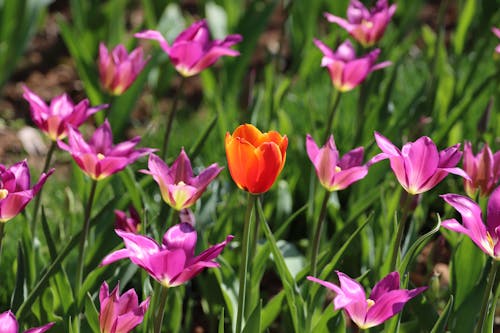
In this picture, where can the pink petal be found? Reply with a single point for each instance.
(154, 35)
(8, 322)
(340, 21)
(493, 217)
(353, 158)
(40, 329)
(421, 160)
(388, 283)
(345, 178)
(210, 57)
(389, 304)
(181, 236)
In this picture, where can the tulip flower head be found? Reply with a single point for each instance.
(55, 118)
(193, 50)
(173, 262)
(126, 223)
(9, 324)
(366, 26)
(496, 31)
(179, 188)
(483, 170)
(118, 70)
(255, 159)
(419, 166)
(335, 174)
(486, 237)
(99, 158)
(120, 314)
(347, 71)
(15, 189)
(385, 300)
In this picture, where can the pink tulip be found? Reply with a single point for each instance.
(129, 224)
(347, 71)
(487, 238)
(366, 26)
(55, 118)
(336, 174)
(193, 50)
(385, 301)
(119, 69)
(8, 324)
(173, 262)
(99, 158)
(178, 187)
(15, 191)
(482, 169)
(120, 314)
(419, 166)
(496, 31)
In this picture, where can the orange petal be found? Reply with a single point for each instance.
(250, 133)
(241, 160)
(269, 166)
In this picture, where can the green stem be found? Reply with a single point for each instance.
(244, 263)
(2, 233)
(160, 310)
(48, 159)
(401, 229)
(486, 297)
(170, 119)
(83, 239)
(334, 103)
(317, 234)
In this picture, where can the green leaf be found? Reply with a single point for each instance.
(272, 310)
(463, 23)
(221, 321)
(417, 247)
(92, 314)
(254, 320)
(440, 326)
(18, 294)
(294, 300)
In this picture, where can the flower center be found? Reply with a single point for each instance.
(337, 169)
(100, 157)
(370, 303)
(367, 24)
(3, 193)
(490, 240)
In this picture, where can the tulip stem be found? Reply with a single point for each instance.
(243, 270)
(317, 234)
(48, 159)
(2, 233)
(334, 104)
(486, 297)
(160, 310)
(401, 229)
(170, 119)
(86, 227)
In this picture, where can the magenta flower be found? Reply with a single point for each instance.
(487, 238)
(8, 324)
(336, 174)
(419, 166)
(193, 50)
(496, 31)
(347, 71)
(366, 26)
(120, 314)
(482, 169)
(55, 118)
(99, 158)
(178, 187)
(129, 224)
(119, 69)
(385, 301)
(173, 262)
(15, 189)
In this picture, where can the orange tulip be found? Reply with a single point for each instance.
(255, 159)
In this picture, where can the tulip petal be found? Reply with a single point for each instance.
(154, 35)
(269, 164)
(493, 211)
(388, 305)
(421, 161)
(388, 283)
